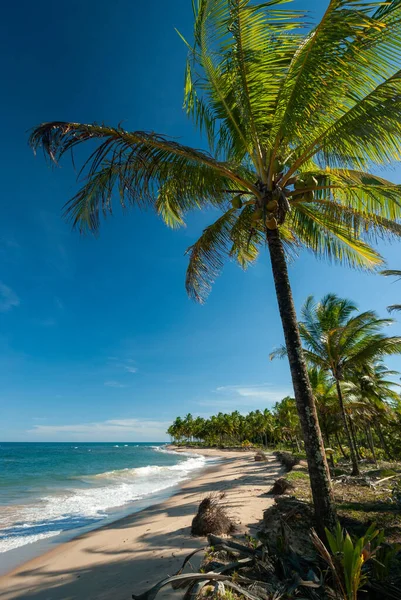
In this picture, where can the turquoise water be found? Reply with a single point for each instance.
(49, 488)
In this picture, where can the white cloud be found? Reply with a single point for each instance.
(110, 430)
(114, 384)
(128, 364)
(8, 298)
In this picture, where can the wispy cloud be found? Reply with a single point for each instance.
(127, 364)
(8, 298)
(114, 384)
(109, 430)
(246, 396)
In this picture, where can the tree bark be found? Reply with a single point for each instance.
(383, 442)
(371, 442)
(340, 446)
(319, 474)
(354, 440)
(354, 460)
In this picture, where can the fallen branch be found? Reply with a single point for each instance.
(187, 558)
(385, 479)
(231, 546)
(152, 593)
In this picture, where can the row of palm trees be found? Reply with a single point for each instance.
(357, 400)
(295, 118)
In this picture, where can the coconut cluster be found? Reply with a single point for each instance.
(273, 209)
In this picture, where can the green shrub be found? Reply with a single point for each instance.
(297, 475)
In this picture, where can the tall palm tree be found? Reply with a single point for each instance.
(294, 119)
(391, 273)
(373, 389)
(344, 343)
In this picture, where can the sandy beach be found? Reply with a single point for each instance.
(131, 554)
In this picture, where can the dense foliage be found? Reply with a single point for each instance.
(358, 401)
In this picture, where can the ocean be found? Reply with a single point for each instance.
(47, 489)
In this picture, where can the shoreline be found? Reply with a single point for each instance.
(134, 552)
(16, 557)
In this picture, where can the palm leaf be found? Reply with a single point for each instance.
(206, 256)
(144, 167)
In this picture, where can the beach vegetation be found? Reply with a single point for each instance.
(345, 349)
(297, 120)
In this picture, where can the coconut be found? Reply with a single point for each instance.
(257, 214)
(308, 196)
(299, 184)
(311, 181)
(277, 166)
(272, 205)
(236, 202)
(271, 222)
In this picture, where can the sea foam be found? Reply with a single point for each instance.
(92, 502)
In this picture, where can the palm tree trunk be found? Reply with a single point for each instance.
(369, 437)
(354, 460)
(319, 474)
(340, 446)
(383, 442)
(354, 440)
(326, 439)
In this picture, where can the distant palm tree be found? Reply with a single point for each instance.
(375, 393)
(294, 120)
(342, 343)
(388, 273)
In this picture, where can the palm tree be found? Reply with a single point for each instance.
(390, 273)
(285, 412)
(374, 393)
(294, 120)
(342, 343)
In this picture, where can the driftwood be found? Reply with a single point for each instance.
(232, 546)
(152, 593)
(385, 479)
(188, 558)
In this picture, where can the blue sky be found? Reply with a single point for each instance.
(98, 340)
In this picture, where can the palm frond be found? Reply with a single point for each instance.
(206, 256)
(393, 307)
(280, 352)
(239, 58)
(146, 168)
(353, 49)
(390, 273)
(332, 238)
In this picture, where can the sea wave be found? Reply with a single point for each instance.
(77, 507)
